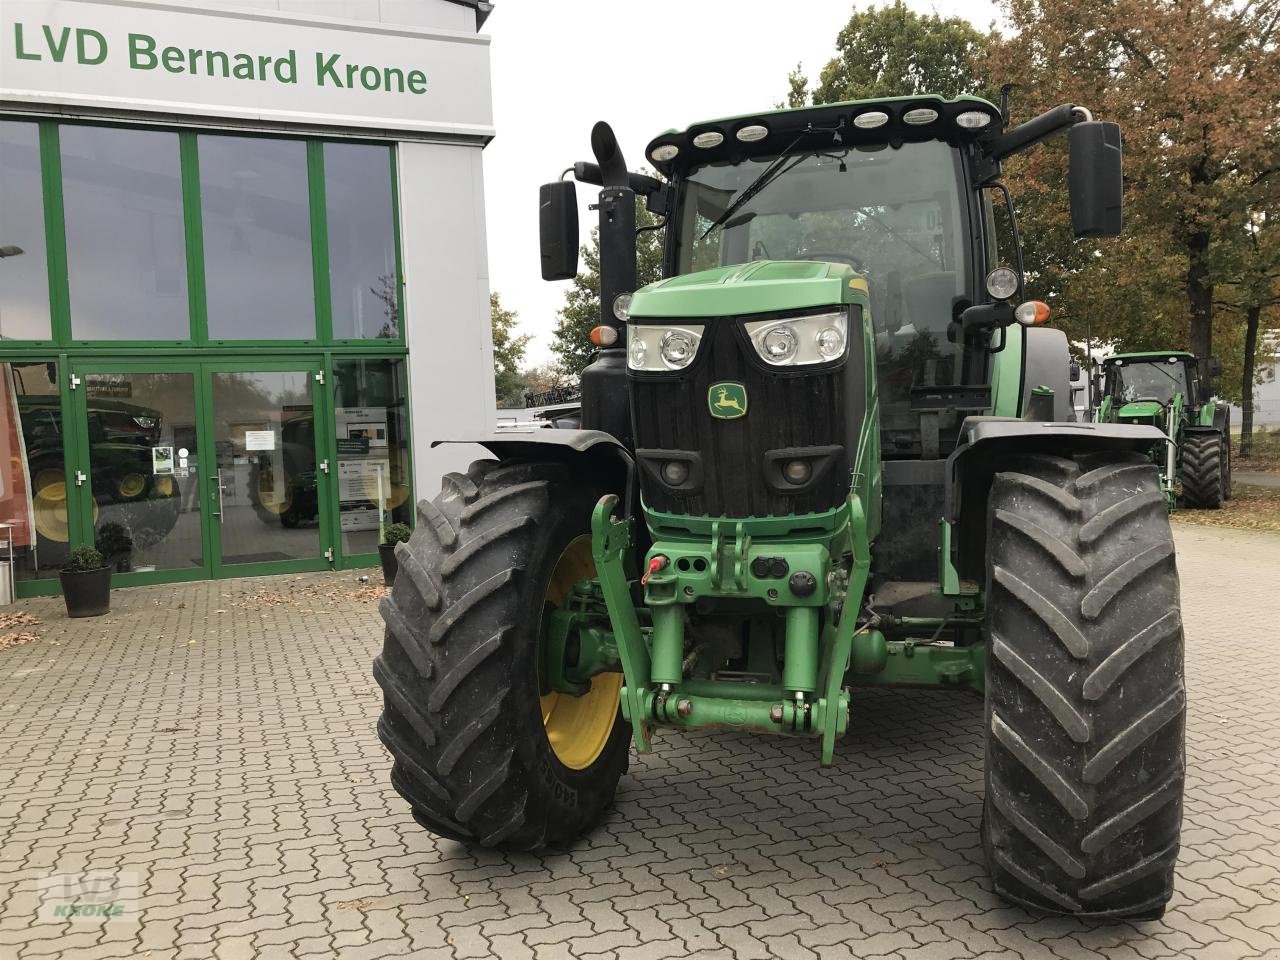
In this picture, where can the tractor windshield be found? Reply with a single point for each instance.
(1147, 380)
(894, 214)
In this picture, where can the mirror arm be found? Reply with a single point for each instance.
(1039, 128)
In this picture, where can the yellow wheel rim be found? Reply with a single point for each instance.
(579, 727)
(164, 486)
(49, 504)
(132, 485)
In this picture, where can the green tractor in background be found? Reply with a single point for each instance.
(833, 449)
(1173, 392)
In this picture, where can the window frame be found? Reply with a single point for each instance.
(197, 312)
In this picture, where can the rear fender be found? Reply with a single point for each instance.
(983, 440)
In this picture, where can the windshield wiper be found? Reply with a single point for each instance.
(770, 174)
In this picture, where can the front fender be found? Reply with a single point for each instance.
(599, 454)
(971, 468)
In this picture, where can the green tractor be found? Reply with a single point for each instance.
(1173, 392)
(831, 450)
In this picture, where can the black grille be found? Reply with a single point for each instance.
(784, 410)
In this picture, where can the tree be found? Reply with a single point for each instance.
(893, 51)
(1193, 88)
(571, 339)
(508, 354)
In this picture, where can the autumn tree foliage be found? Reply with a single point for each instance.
(1194, 87)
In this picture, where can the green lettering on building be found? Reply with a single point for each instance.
(146, 53)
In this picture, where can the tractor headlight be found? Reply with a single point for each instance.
(790, 341)
(662, 347)
(1002, 283)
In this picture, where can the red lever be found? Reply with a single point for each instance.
(656, 564)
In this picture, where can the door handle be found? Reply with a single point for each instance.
(221, 489)
(80, 478)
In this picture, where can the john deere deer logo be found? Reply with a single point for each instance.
(727, 401)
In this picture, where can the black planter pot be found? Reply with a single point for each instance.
(387, 556)
(87, 592)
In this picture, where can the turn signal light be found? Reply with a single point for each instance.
(604, 336)
(1032, 313)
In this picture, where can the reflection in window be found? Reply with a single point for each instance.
(33, 489)
(257, 238)
(373, 450)
(24, 279)
(362, 250)
(126, 256)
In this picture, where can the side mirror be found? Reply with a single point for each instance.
(1210, 367)
(1073, 371)
(558, 230)
(1095, 179)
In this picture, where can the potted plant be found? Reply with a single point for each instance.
(86, 583)
(393, 534)
(115, 543)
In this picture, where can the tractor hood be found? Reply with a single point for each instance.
(762, 286)
(1141, 411)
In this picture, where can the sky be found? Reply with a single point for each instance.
(561, 65)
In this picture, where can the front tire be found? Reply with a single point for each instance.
(481, 754)
(1085, 698)
(1204, 470)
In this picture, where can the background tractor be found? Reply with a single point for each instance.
(1174, 393)
(831, 449)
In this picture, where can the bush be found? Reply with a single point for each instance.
(396, 533)
(114, 540)
(83, 559)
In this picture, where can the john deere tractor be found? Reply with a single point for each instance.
(1173, 392)
(829, 451)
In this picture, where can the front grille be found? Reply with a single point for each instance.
(784, 410)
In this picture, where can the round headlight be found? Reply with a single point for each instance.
(711, 138)
(1002, 283)
(677, 349)
(797, 471)
(780, 344)
(920, 116)
(973, 119)
(664, 152)
(675, 472)
(622, 306)
(638, 352)
(830, 343)
(871, 119)
(752, 133)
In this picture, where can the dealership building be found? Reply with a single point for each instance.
(243, 278)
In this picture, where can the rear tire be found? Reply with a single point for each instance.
(463, 717)
(1204, 478)
(1085, 703)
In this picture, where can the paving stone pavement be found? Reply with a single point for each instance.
(218, 740)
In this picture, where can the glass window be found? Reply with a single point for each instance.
(144, 469)
(33, 487)
(24, 278)
(362, 245)
(371, 419)
(126, 256)
(257, 238)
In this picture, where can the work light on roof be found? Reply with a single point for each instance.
(920, 116)
(973, 119)
(664, 152)
(711, 138)
(871, 119)
(752, 132)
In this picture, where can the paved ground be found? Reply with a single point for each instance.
(217, 739)
(1257, 479)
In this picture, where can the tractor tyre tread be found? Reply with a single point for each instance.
(458, 671)
(1085, 696)
(1202, 473)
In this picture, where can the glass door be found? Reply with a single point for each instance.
(137, 468)
(268, 483)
